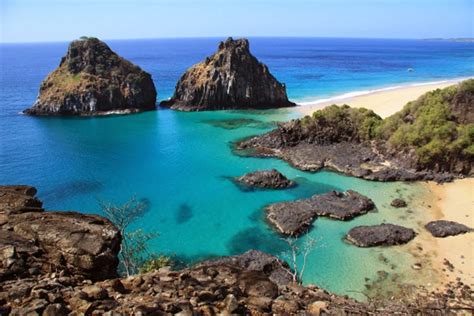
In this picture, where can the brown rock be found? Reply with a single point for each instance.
(230, 79)
(93, 80)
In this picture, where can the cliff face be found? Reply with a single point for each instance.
(91, 79)
(232, 78)
(34, 242)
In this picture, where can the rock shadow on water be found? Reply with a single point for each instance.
(184, 213)
(72, 188)
(240, 123)
(258, 239)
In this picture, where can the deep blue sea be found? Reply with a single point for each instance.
(181, 162)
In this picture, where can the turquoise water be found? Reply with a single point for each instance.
(181, 162)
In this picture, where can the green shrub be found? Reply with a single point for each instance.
(156, 262)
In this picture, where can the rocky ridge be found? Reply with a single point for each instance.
(93, 80)
(232, 78)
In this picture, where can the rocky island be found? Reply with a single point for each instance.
(265, 179)
(294, 218)
(64, 263)
(430, 139)
(93, 80)
(380, 235)
(232, 78)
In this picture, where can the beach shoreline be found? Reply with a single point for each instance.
(452, 201)
(384, 101)
(447, 260)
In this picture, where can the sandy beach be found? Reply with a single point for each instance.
(455, 202)
(384, 101)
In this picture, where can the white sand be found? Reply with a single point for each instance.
(384, 102)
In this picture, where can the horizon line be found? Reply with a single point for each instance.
(239, 36)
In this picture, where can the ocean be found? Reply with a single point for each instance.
(182, 162)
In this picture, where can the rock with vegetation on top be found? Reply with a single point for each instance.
(442, 228)
(93, 80)
(429, 139)
(380, 235)
(265, 179)
(232, 78)
(294, 217)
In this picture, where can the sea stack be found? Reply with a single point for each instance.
(93, 80)
(232, 78)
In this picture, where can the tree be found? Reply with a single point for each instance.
(134, 250)
(296, 251)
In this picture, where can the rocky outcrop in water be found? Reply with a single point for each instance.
(294, 218)
(380, 235)
(33, 241)
(232, 78)
(93, 80)
(444, 228)
(265, 179)
(398, 203)
(359, 143)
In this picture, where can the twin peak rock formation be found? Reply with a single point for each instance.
(93, 80)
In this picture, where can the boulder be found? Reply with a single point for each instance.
(398, 203)
(93, 80)
(294, 218)
(232, 78)
(255, 260)
(380, 235)
(444, 228)
(33, 240)
(265, 179)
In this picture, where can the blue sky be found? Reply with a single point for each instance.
(64, 20)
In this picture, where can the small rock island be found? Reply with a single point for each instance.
(265, 179)
(232, 78)
(93, 80)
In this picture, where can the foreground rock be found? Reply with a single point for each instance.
(380, 235)
(444, 228)
(253, 283)
(359, 143)
(33, 241)
(93, 80)
(265, 179)
(294, 218)
(232, 78)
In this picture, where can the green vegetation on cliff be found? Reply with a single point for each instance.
(438, 127)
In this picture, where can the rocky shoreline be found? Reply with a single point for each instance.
(357, 142)
(361, 160)
(64, 263)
